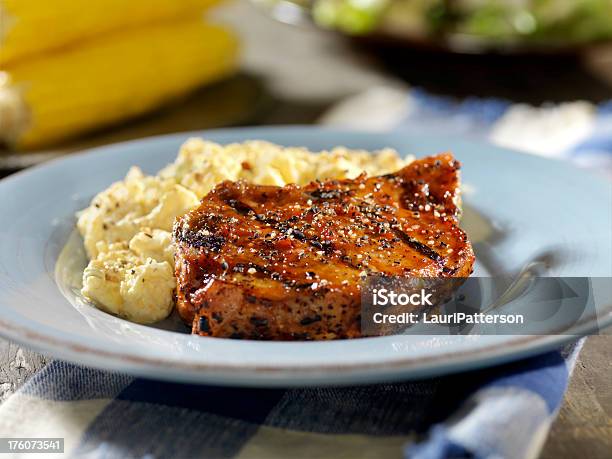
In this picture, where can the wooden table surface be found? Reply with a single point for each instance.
(293, 74)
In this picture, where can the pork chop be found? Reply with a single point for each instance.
(286, 263)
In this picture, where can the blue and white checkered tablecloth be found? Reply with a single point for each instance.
(501, 412)
(493, 413)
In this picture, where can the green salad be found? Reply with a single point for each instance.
(503, 21)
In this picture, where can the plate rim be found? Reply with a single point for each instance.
(405, 369)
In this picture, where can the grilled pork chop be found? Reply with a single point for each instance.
(285, 263)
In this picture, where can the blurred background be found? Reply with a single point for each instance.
(529, 74)
(74, 76)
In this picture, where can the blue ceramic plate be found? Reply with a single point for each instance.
(518, 208)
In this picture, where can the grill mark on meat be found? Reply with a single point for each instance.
(197, 239)
(239, 206)
(418, 246)
(284, 226)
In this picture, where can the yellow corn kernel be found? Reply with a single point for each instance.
(32, 26)
(110, 78)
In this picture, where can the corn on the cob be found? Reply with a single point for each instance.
(113, 77)
(31, 26)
